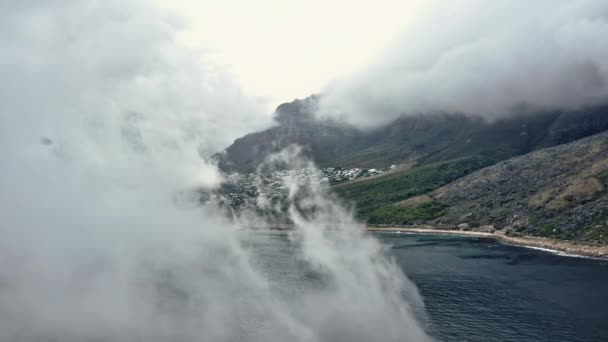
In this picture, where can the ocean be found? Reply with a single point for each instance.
(476, 289)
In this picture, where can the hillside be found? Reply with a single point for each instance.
(424, 139)
(557, 192)
(461, 171)
(371, 195)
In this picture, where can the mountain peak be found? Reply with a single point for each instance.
(297, 111)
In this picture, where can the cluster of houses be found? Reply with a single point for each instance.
(339, 175)
(243, 190)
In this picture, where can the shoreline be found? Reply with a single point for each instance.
(560, 247)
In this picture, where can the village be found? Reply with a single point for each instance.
(241, 191)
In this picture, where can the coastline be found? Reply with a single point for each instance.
(562, 247)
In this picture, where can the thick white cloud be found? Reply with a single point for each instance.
(485, 58)
(102, 120)
(113, 63)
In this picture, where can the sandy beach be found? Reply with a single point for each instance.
(571, 248)
(562, 247)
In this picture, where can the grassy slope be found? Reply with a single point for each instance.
(391, 214)
(373, 199)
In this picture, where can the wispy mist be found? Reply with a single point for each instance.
(66, 61)
(103, 118)
(486, 58)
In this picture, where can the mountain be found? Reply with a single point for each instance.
(557, 192)
(322, 140)
(542, 174)
(423, 139)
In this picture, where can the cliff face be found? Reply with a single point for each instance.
(422, 138)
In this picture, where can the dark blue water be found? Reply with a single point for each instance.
(479, 290)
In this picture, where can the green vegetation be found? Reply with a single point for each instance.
(549, 230)
(369, 196)
(597, 234)
(391, 214)
(598, 230)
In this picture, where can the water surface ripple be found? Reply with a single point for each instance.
(479, 290)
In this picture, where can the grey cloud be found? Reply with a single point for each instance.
(486, 58)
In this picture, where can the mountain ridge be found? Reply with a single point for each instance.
(421, 138)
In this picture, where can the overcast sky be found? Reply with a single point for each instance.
(227, 63)
(376, 60)
(286, 49)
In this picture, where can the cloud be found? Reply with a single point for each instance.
(486, 58)
(98, 62)
(103, 118)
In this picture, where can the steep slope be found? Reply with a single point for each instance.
(554, 192)
(425, 139)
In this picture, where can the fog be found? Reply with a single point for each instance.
(484, 58)
(75, 60)
(103, 121)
